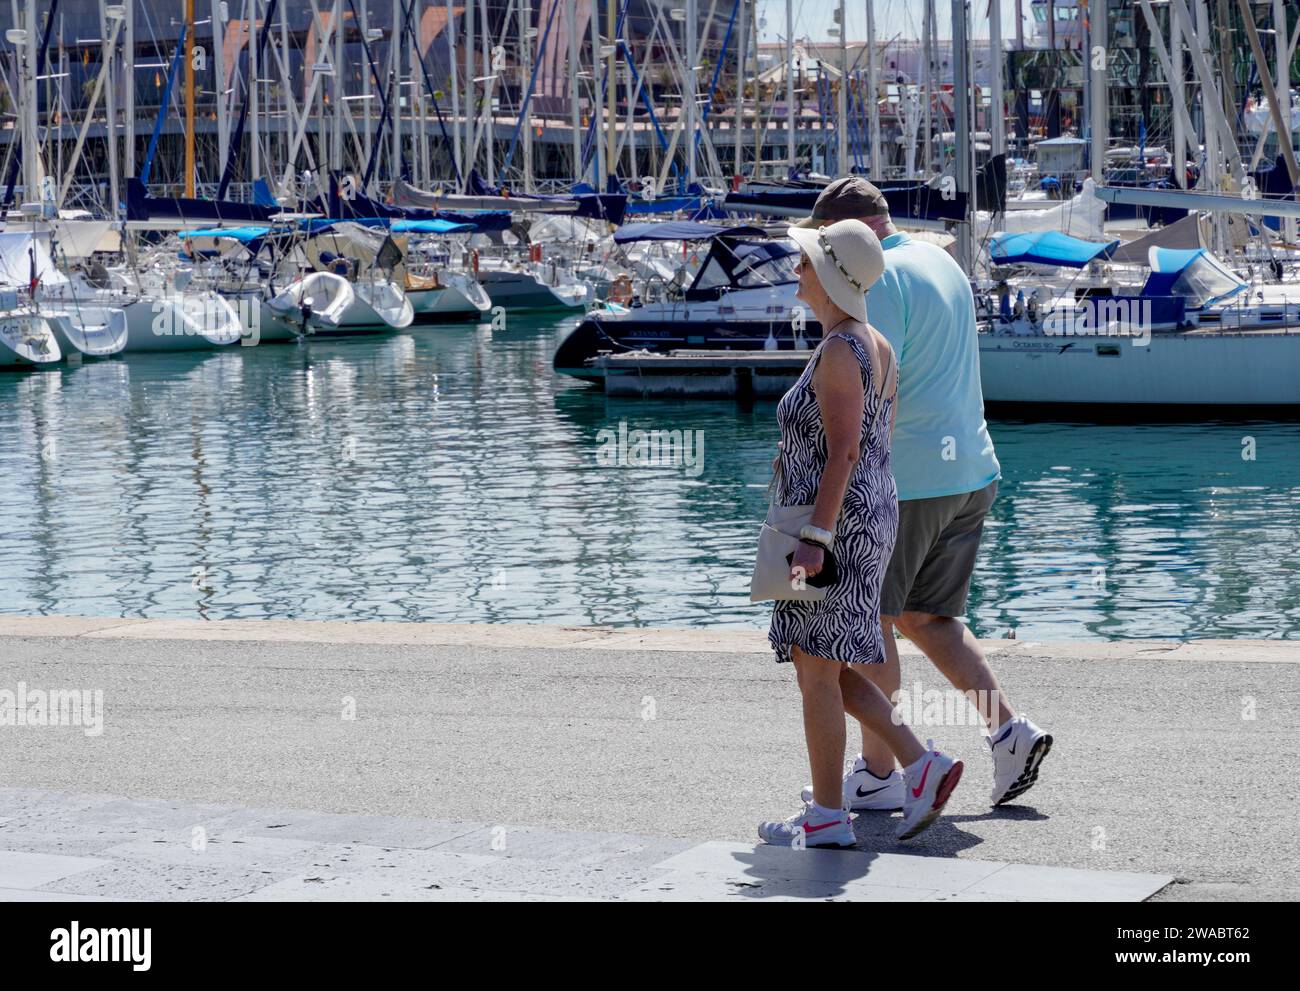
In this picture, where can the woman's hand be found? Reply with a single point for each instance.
(807, 563)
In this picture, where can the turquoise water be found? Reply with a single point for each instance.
(448, 475)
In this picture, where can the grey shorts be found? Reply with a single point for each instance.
(934, 554)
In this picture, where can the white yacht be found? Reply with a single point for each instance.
(741, 297)
(1190, 333)
(79, 321)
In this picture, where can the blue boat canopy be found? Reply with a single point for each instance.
(244, 235)
(1193, 273)
(435, 226)
(680, 230)
(1047, 248)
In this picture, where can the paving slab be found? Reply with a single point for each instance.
(504, 862)
(20, 869)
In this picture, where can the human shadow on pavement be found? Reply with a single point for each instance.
(783, 872)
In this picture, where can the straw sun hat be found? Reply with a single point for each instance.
(847, 258)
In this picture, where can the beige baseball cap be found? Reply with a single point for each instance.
(847, 198)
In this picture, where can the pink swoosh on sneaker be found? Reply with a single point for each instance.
(825, 825)
(916, 792)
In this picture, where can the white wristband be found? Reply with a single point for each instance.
(817, 535)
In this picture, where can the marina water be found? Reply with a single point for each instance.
(448, 475)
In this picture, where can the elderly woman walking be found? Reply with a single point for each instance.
(835, 439)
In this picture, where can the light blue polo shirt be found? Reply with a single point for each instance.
(923, 305)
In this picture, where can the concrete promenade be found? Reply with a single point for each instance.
(267, 759)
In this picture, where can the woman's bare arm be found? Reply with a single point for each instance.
(838, 385)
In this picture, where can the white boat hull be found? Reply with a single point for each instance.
(524, 291)
(458, 298)
(27, 341)
(92, 331)
(338, 307)
(1252, 368)
(189, 322)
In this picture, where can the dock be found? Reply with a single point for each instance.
(689, 374)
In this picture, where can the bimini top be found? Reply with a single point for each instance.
(1193, 273)
(744, 264)
(681, 230)
(1046, 248)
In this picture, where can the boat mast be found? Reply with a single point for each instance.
(450, 35)
(1098, 38)
(876, 162)
(997, 122)
(741, 55)
(336, 88)
(470, 150)
(128, 90)
(114, 16)
(692, 31)
(490, 75)
(1283, 47)
(598, 146)
(927, 54)
(255, 165)
(611, 117)
(961, 104)
(398, 45)
(525, 16)
(189, 98)
(842, 99)
(219, 64)
(31, 154)
(789, 82)
(575, 127)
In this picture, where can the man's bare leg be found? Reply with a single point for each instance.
(875, 751)
(953, 649)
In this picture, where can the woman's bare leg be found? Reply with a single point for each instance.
(823, 724)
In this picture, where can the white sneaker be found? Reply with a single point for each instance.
(864, 792)
(1019, 748)
(816, 830)
(928, 790)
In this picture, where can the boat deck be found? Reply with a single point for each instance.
(701, 374)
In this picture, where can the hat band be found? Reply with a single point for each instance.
(825, 244)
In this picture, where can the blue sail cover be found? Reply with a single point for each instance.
(610, 207)
(1047, 248)
(663, 204)
(680, 230)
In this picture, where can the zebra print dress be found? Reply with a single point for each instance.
(845, 625)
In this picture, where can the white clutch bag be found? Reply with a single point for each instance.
(777, 540)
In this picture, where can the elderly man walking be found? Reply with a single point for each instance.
(947, 477)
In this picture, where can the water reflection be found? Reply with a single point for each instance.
(448, 475)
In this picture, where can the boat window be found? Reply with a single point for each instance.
(757, 271)
(1206, 281)
(712, 275)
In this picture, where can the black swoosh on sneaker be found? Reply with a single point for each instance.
(1013, 747)
(864, 794)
